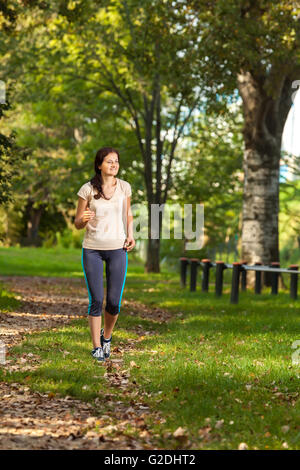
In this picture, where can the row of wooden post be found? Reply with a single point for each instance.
(238, 272)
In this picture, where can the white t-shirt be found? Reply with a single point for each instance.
(108, 229)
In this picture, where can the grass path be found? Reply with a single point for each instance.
(189, 370)
(45, 419)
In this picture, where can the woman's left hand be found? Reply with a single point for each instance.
(129, 243)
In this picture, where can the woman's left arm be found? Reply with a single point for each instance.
(129, 242)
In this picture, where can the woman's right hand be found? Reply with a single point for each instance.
(87, 215)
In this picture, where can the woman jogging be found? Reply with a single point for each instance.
(104, 209)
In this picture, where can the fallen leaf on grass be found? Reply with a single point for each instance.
(243, 446)
(180, 432)
(204, 433)
(133, 364)
(199, 363)
(219, 424)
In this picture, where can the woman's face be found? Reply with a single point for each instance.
(110, 164)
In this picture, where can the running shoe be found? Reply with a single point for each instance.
(98, 354)
(105, 343)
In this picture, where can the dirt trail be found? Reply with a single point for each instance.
(31, 420)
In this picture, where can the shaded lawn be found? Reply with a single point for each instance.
(213, 362)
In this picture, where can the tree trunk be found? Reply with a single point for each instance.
(153, 165)
(34, 218)
(264, 118)
(153, 247)
(152, 264)
(260, 207)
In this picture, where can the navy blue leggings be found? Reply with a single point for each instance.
(116, 262)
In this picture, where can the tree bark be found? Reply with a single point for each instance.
(264, 118)
(33, 222)
(153, 247)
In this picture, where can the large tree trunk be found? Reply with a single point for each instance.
(264, 121)
(260, 207)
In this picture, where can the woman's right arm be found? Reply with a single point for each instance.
(83, 214)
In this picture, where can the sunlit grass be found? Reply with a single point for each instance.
(212, 361)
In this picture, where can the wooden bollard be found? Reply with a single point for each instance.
(243, 277)
(194, 265)
(235, 283)
(205, 275)
(219, 277)
(274, 278)
(257, 279)
(183, 268)
(294, 281)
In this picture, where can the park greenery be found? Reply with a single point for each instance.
(195, 96)
(81, 75)
(221, 373)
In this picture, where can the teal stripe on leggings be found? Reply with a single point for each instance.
(124, 280)
(90, 297)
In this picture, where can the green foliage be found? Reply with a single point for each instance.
(49, 240)
(68, 239)
(211, 174)
(261, 37)
(91, 69)
(10, 155)
(170, 251)
(289, 222)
